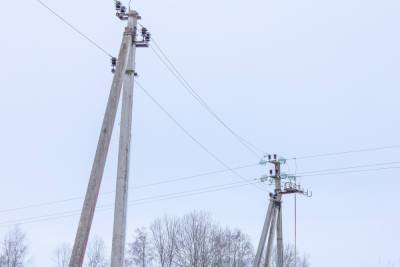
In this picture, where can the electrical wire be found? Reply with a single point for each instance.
(355, 171)
(183, 81)
(251, 147)
(189, 177)
(349, 167)
(330, 154)
(74, 28)
(168, 63)
(158, 198)
(169, 115)
(164, 181)
(190, 135)
(146, 200)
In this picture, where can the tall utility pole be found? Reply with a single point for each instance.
(273, 220)
(121, 195)
(123, 69)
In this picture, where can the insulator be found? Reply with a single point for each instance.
(123, 9)
(144, 31)
(269, 157)
(271, 172)
(275, 156)
(118, 5)
(113, 61)
(147, 38)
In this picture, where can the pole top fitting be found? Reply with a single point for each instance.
(134, 14)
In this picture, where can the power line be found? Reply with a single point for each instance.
(330, 154)
(158, 198)
(350, 167)
(182, 194)
(165, 181)
(181, 79)
(354, 171)
(189, 177)
(74, 28)
(168, 63)
(190, 135)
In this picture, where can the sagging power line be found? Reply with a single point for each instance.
(121, 203)
(331, 154)
(313, 173)
(151, 199)
(74, 28)
(194, 139)
(166, 61)
(137, 187)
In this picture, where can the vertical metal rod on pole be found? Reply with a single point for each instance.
(271, 237)
(261, 244)
(96, 175)
(122, 186)
(295, 230)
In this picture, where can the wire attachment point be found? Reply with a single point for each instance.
(146, 37)
(113, 64)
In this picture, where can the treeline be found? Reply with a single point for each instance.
(193, 240)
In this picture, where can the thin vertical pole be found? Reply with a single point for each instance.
(295, 230)
(279, 237)
(261, 244)
(271, 237)
(278, 192)
(96, 175)
(121, 196)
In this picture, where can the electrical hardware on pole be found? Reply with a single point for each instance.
(273, 221)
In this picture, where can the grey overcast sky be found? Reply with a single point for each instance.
(294, 77)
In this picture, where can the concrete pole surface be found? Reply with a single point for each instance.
(96, 175)
(271, 237)
(279, 237)
(261, 244)
(121, 196)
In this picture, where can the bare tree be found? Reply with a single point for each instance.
(289, 257)
(240, 253)
(230, 248)
(14, 249)
(140, 252)
(96, 254)
(194, 240)
(62, 255)
(164, 232)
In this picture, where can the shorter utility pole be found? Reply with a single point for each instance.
(273, 220)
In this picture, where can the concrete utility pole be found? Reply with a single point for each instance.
(273, 221)
(123, 76)
(121, 195)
